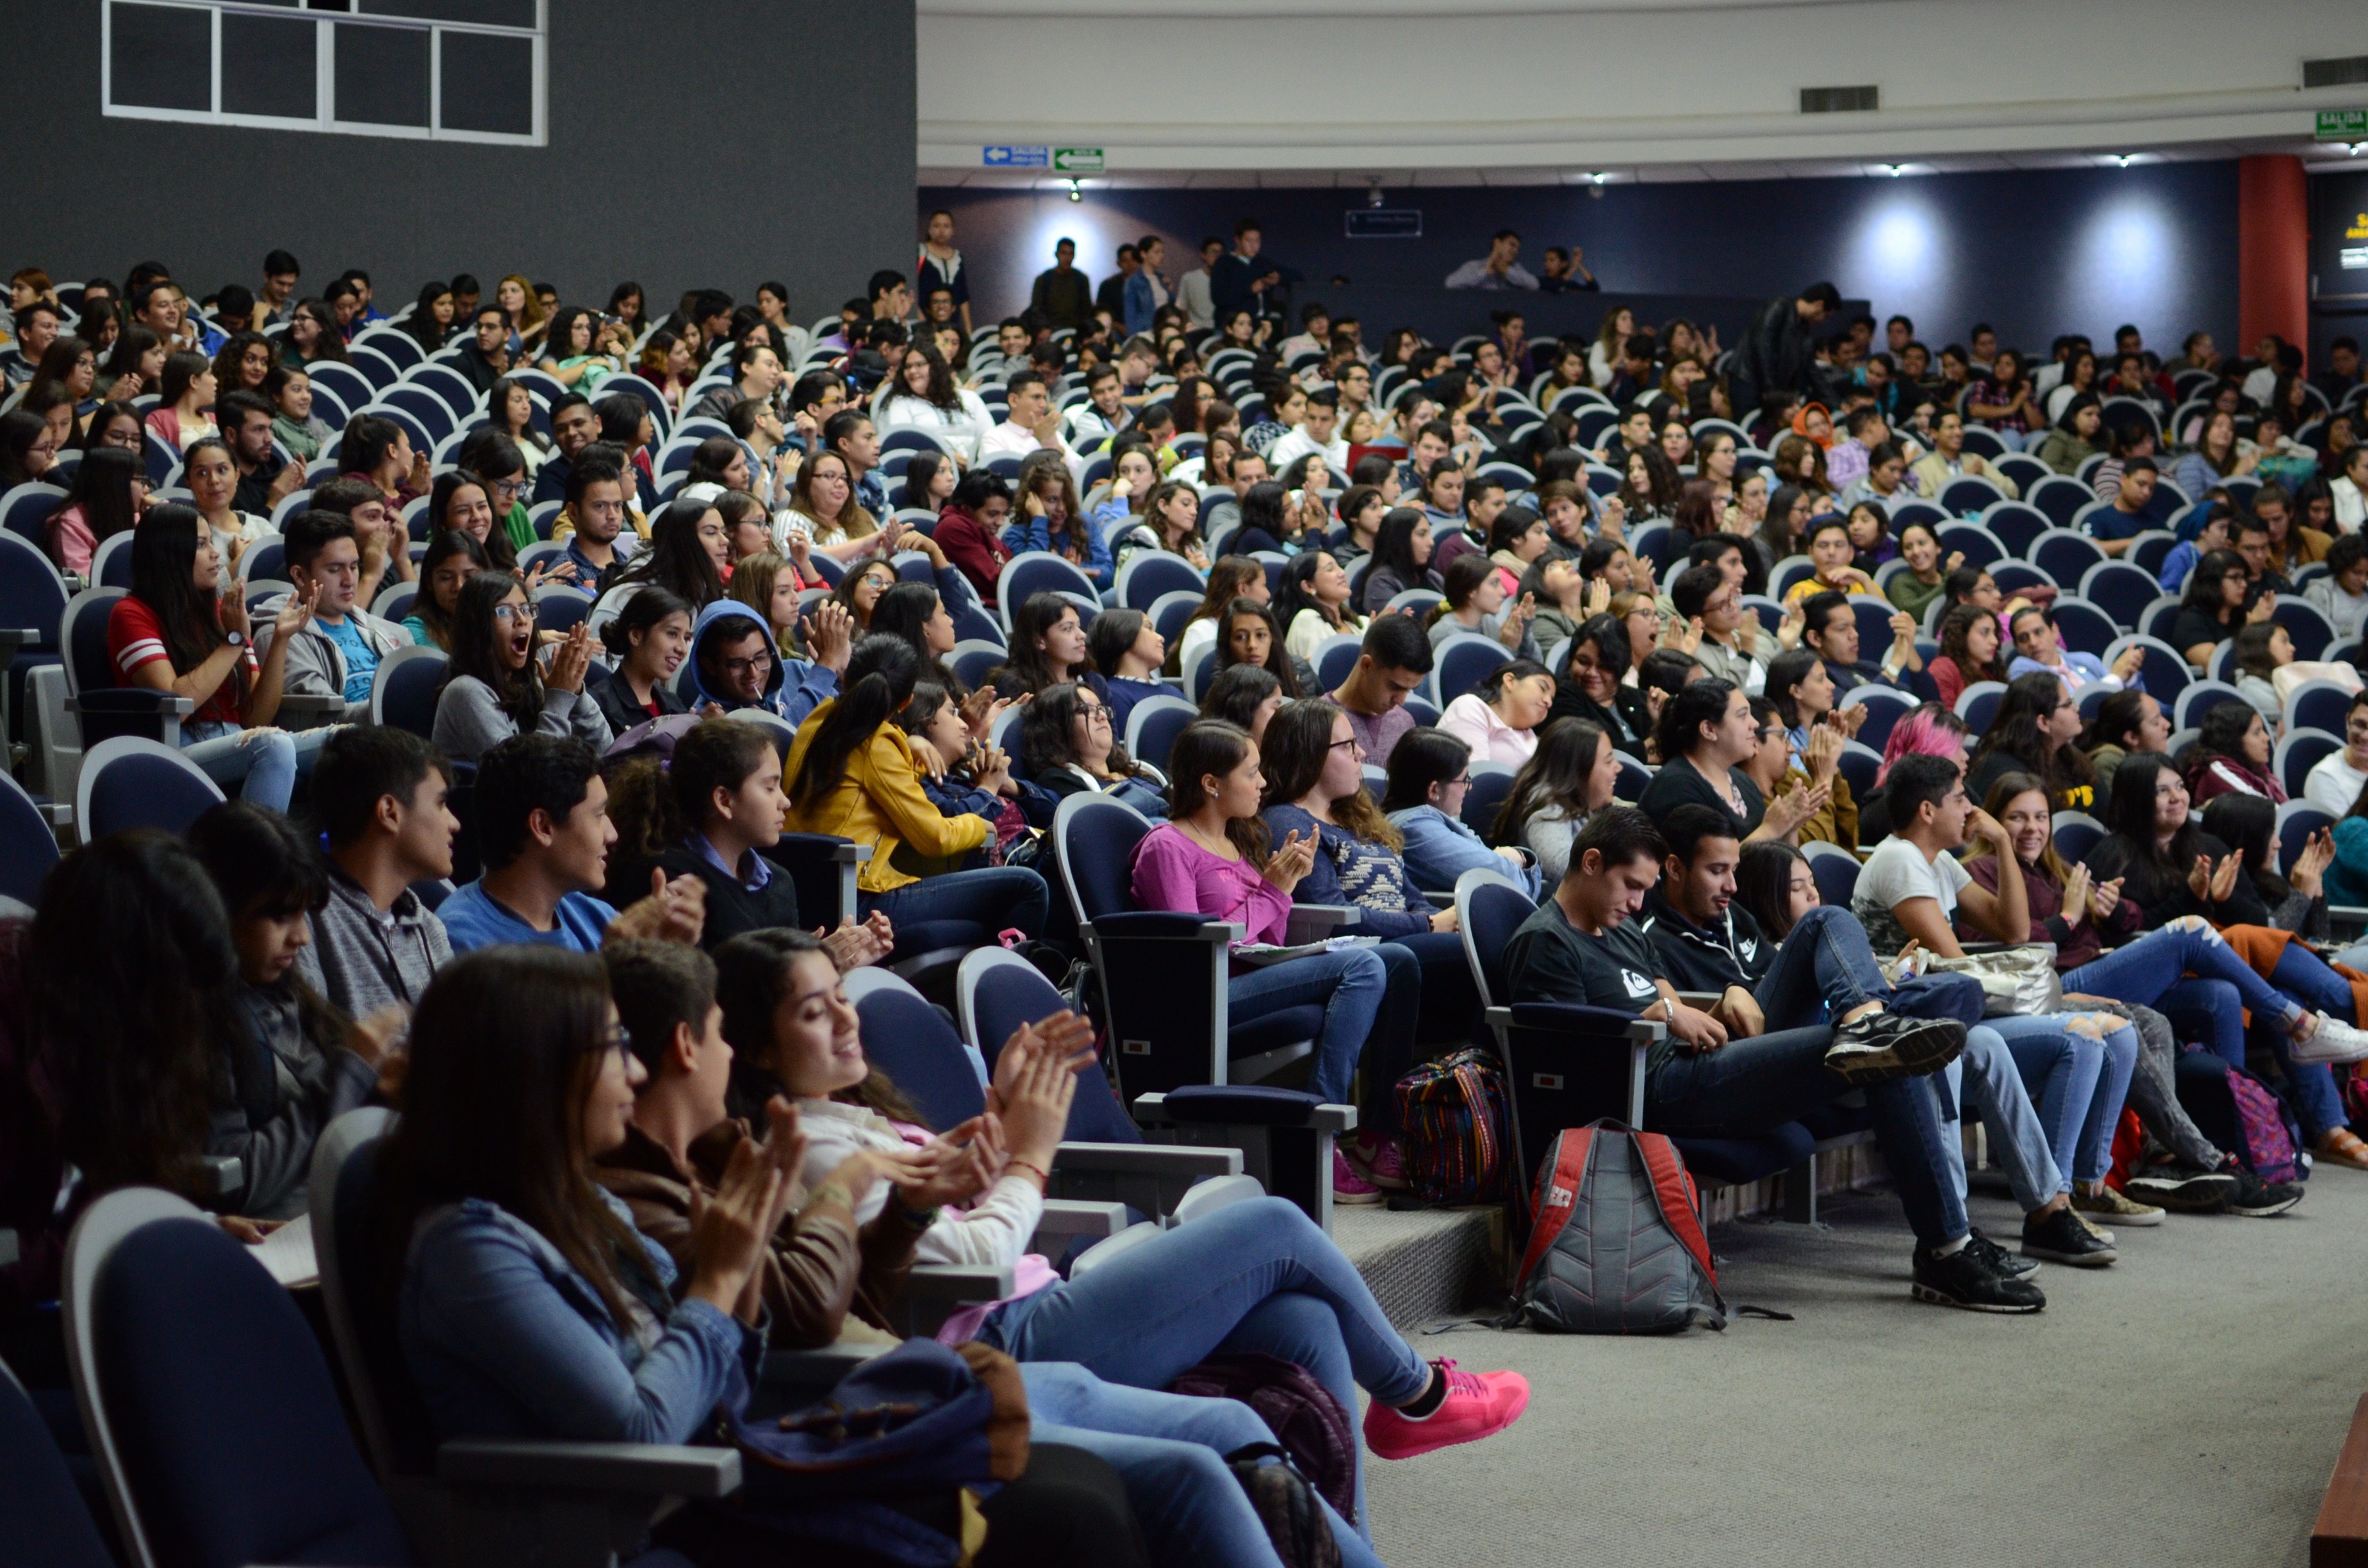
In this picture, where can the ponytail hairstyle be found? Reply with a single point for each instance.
(879, 681)
(1204, 748)
(1111, 635)
(1465, 575)
(640, 612)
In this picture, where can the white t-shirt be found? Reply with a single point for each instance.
(2334, 784)
(1895, 873)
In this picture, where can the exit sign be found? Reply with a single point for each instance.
(2343, 125)
(1077, 160)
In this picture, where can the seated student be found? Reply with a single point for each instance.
(2078, 1064)
(1970, 646)
(1475, 606)
(599, 543)
(542, 813)
(2130, 511)
(380, 794)
(1314, 604)
(1248, 635)
(1429, 776)
(2217, 602)
(2197, 540)
(1230, 577)
(106, 496)
(1256, 1276)
(1401, 560)
(1068, 740)
(338, 651)
(647, 641)
(1129, 650)
(2038, 650)
(520, 1316)
(689, 554)
(496, 686)
(1706, 733)
(2340, 592)
(961, 774)
(2262, 650)
(1584, 945)
(736, 663)
(1589, 685)
(1245, 695)
(1565, 597)
(1391, 664)
(2231, 755)
(1831, 547)
(854, 777)
(2033, 732)
(1829, 630)
(2183, 968)
(917, 613)
(1048, 648)
(1708, 597)
(298, 1064)
(1499, 718)
(1572, 777)
(1777, 769)
(2335, 780)
(180, 630)
(970, 530)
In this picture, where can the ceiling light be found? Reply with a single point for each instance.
(1075, 194)
(2124, 159)
(1599, 177)
(1893, 170)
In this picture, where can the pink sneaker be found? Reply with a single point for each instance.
(1348, 1187)
(1477, 1405)
(1380, 1160)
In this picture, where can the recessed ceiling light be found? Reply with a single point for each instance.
(1075, 194)
(1895, 170)
(2124, 159)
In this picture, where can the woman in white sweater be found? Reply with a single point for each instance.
(1257, 1276)
(925, 395)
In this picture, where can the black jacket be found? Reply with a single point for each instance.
(1706, 957)
(615, 700)
(1777, 356)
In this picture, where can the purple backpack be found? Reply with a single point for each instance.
(2268, 1148)
(1305, 1417)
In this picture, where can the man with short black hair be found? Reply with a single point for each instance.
(851, 433)
(1433, 443)
(1584, 946)
(598, 541)
(1777, 358)
(2118, 526)
(336, 653)
(278, 300)
(1060, 293)
(2342, 372)
(1110, 298)
(1847, 460)
(1319, 433)
(379, 795)
(1390, 665)
(1500, 268)
(892, 299)
(1829, 630)
(1241, 281)
(1031, 424)
(368, 313)
(756, 372)
(817, 395)
(2248, 536)
(1104, 412)
(573, 427)
(37, 328)
(265, 478)
(485, 357)
(1712, 607)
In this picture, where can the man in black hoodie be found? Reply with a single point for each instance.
(1778, 354)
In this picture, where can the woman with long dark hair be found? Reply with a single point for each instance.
(2074, 439)
(1245, 695)
(2170, 867)
(1970, 651)
(1069, 741)
(429, 325)
(1047, 648)
(689, 553)
(2218, 599)
(850, 773)
(180, 630)
(1589, 685)
(2033, 732)
(2231, 754)
(496, 686)
(452, 559)
(1401, 559)
(1230, 577)
(1571, 777)
(109, 493)
(1249, 636)
(1774, 885)
(2126, 723)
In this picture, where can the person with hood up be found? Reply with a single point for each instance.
(736, 663)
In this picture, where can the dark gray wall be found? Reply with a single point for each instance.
(694, 144)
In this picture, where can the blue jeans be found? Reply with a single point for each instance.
(2150, 970)
(263, 764)
(1987, 1084)
(1347, 982)
(1257, 1276)
(962, 909)
(2080, 1084)
(1169, 1449)
(1747, 1088)
(2302, 974)
(1826, 967)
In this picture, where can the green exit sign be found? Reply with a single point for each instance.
(1078, 160)
(2343, 125)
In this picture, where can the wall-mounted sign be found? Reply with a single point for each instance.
(1384, 222)
(1077, 160)
(2343, 125)
(2353, 259)
(1017, 157)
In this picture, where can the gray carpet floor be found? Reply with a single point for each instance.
(2182, 1407)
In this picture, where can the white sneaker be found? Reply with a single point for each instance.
(2332, 1042)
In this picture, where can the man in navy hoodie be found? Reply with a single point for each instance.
(736, 663)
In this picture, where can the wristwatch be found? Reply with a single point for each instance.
(236, 639)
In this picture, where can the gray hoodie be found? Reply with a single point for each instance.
(362, 960)
(316, 666)
(470, 721)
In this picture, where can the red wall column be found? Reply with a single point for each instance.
(2273, 252)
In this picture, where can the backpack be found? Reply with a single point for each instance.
(1285, 1504)
(1319, 1435)
(1458, 1120)
(2241, 1114)
(1616, 1248)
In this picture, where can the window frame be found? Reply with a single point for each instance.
(326, 17)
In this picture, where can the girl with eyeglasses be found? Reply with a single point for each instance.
(497, 685)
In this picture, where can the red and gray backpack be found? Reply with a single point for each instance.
(1616, 1247)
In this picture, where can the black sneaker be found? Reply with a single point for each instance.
(2259, 1198)
(2183, 1188)
(1877, 1047)
(1962, 1280)
(1999, 1260)
(2059, 1235)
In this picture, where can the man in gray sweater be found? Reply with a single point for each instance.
(380, 793)
(338, 651)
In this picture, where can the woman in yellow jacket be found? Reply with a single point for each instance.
(852, 774)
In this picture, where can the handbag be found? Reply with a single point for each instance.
(2019, 981)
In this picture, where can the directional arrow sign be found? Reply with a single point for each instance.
(1077, 160)
(1015, 157)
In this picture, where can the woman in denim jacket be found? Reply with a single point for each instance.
(1429, 776)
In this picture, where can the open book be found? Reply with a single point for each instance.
(287, 1253)
(1260, 954)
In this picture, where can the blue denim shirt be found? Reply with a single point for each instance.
(1035, 533)
(505, 1339)
(1439, 848)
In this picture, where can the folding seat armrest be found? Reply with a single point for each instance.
(824, 869)
(819, 1369)
(1135, 923)
(1579, 1021)
(225, 1173)
(1147, 1159)
(1705, 1000)
(649, 1469)
(934, 1291)
(129, 710)
(1317, 921)
(1070, 1217)
(306, 711)
(1154, 1109)
(2349, 917)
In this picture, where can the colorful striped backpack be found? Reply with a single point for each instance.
(1458, 1122)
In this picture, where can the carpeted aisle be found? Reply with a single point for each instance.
(2182, 1407)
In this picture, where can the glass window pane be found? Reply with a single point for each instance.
(268, 66)
(488, 84)
(487, 13)
(382, 75)
(162, 58)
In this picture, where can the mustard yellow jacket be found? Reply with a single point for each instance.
(879, 802)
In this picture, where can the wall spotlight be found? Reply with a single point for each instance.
(1599, 177)
(2358, 148)
(1373, 193)
(2123, 159)
(1893, 170)
(1075, 194)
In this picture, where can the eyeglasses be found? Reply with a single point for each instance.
(509, 487)
(1093, 712)
(747, 667)
(514, 612)
(1351, 742)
